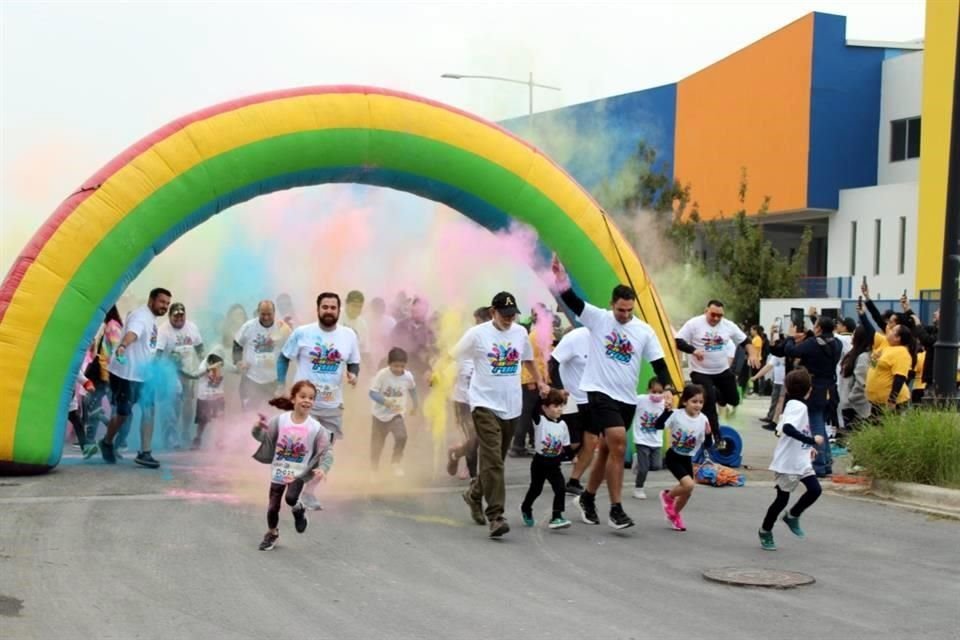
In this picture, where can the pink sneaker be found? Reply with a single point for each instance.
(677, 522)
(667, 503)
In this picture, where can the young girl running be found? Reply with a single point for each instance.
(792, 460)
(298, 449)
(550, 439)
(688, 428)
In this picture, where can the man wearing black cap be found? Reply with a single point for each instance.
(619, 342)
(498, 350)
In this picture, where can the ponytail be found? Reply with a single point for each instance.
(285, 403)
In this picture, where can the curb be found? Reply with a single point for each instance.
(921, 495)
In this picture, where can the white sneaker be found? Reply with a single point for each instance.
(639, 494)
(398, 471)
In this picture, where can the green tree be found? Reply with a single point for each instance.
(741, 265)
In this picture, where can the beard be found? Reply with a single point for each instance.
(329, 319)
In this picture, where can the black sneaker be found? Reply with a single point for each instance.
(269, 541)
(144, 459)
(300, 518)
(107, 452)
(769, 426)
(618, 518)
(574, 488)
(588, 509)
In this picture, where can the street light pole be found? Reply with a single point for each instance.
(529, 82)
(948, 335)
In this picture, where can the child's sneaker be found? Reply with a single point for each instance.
(527, 518)
(89, 451)
(667, 503)
(269, 541)
(677, 522)
(559, 523)
(310, 502)
(766, 540)
(300, 517)
(794, 525)
(639, 493)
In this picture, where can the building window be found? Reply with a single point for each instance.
(902, 252)
(904, 139)
(876, 247)
(853, 248)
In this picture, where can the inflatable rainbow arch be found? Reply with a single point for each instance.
(105, 233)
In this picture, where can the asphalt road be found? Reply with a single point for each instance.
(121, 552)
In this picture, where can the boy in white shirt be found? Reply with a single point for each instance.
(647, 439)
(551, 438)
(792, 460)
(389, 391)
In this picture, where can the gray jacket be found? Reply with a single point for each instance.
(267, 436)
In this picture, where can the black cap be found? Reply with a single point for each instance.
(505, 304)
(177, 308)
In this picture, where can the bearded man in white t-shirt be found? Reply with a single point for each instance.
(619, 343)
(327, 355)
(705, 337)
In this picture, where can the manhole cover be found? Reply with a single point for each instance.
(752, 577)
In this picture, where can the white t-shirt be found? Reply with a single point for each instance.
(496, 357)
(729, 350)
(210, 387)
(395, 390)
(572, 352)
(686, 433)
(549, 437)
(322, 358)
(294, 447)
(136, 358)
(712, 340)
(645, 420)
(260, 348)
(792, 456)
(616, 352)
(461, 387)
(181, 344)
(779, 368)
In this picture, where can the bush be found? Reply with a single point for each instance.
(916, 446)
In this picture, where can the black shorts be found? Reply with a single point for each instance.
(125, 394)
(721, 388)
(678, 465)
(606, 413)
(575, 423)
(207, 410)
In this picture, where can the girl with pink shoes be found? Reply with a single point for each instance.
(687, 427)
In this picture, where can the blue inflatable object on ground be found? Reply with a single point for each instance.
(731, 456)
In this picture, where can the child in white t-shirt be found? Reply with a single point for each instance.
(210, 399)
(298, 449)
(550, 439)
(389, 391)
(647, 440)
(688, 428)
(792, 460)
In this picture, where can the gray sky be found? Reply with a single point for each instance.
(80, 81)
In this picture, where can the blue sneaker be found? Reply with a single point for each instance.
(559, 523)
(794, 524)
(527, 518)
(766, 540)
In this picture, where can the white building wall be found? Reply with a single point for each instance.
(887, 203)
(900, 97)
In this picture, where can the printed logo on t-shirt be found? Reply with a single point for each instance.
(713, 341)
(551, 445)
(291, 448)
(618, 347)
(153, 337)
(647, 420)
(183, 340)
(683, 441)
(263, 343)
(504, 360)
(325, 358)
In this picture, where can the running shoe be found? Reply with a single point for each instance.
(666, 501)
(452, 460)
(527, 518)
(89, 451)
(639, 493)
(766, 540)
(107, 453)
(498, 527)
(269, 541)
(588, 509)
(144, 459)
(574, 488)
(300, 517)
(559, 523)
(794, 525)
(310, 502)
(619, 519)
(678, 524)
(476, 508)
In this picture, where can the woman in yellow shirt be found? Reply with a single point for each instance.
(890, 368)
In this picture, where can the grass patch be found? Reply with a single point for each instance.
(920, 446)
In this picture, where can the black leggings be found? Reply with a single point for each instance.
(783, 497)
(276, 492)
(544, 468)
(722, 386)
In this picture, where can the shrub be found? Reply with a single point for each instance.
(916, 446)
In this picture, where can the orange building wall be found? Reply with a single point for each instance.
(765, 87)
